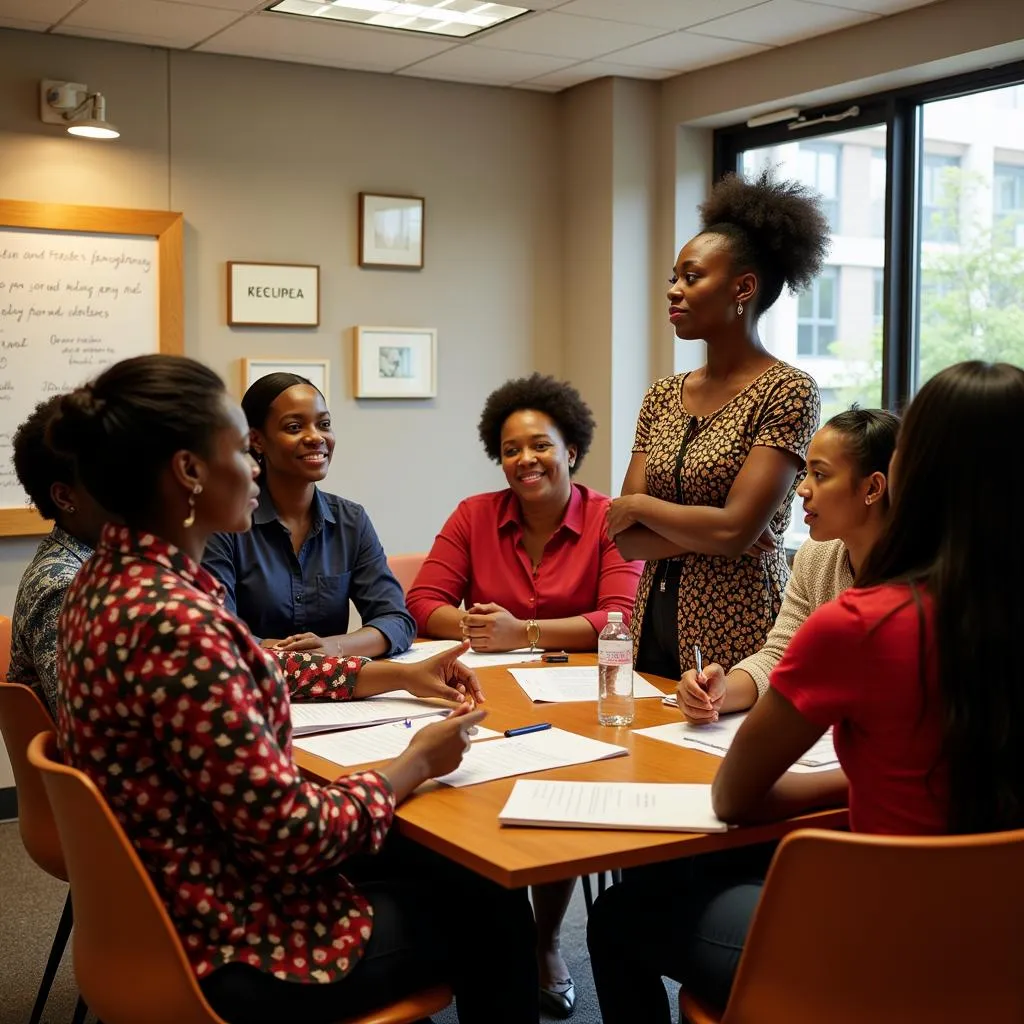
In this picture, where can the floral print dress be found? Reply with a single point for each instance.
(726, 605)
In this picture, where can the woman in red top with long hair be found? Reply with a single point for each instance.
(930, 743)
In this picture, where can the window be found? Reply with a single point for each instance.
(940, 196)
(816, 315)
(878, 298)
(876, 193)
(1008, 204)
(818, 167)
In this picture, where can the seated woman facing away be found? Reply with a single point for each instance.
(532, 563)
(290, 578)
(845, 498)
(535, 568)
(49, 481)
(930, 742)
(265, 875)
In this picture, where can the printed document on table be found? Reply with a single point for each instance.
(716, 738)
(330, 716)
(535, 752)
(471, 659)
(656, 806)
(376, 743)
(571, 683)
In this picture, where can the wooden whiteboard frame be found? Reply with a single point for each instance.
(166, 227)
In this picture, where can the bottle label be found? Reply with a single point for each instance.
(615, 652)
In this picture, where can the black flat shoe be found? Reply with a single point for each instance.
(560, 999)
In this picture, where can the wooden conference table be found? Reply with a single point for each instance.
(462, 824)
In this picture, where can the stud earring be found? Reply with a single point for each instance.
(191, 517)
(739, 309)
(71, 510)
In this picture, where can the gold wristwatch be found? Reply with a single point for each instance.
(533, 634)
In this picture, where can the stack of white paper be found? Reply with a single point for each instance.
(376, 743)
(352, 714)
(535, 752)
(657, 806)
(716, 738)
(471, 659)
(571, 683)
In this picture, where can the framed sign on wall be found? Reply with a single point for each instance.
(273, 294)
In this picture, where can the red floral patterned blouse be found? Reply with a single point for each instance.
(182, 721)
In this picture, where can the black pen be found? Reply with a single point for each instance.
(524, 729)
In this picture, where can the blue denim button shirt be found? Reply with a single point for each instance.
(277, 593)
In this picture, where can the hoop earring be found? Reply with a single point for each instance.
(191, 517)
(739, 309)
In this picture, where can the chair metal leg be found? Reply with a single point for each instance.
(80, 1012)
(60, 941)
(588, 893)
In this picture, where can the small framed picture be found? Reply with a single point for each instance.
(395, 362)
(390, 231)
(273, 294)
(317, 371)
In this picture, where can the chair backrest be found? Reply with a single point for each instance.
(405, 568)
(5, 646)
(129, 962)
(22, 716)
(854, 928)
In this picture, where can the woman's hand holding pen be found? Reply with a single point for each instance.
(443, 676)
(436, 750)
(701, 694)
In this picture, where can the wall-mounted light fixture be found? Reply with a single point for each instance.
(71, 104)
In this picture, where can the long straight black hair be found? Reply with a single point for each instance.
(955, 529)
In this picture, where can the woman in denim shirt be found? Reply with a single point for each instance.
(290, 578)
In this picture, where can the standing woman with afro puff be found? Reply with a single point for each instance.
(719, 450)
(534, 567)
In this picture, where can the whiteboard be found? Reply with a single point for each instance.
(71, 304)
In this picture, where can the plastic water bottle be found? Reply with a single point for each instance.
(615, 673)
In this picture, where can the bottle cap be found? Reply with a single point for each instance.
(615, 616)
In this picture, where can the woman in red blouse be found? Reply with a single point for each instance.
(182, 720)
(532, 564)
(533, 567)
(929, 741)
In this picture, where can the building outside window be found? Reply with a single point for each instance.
(940, 221)
(1008, 204)
(818, 167)
(817, 315)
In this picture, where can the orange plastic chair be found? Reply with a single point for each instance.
(5, 646)
(129, 961)
(22, 716)
(405, 568)
(855, 928)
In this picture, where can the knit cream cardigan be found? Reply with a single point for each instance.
(821, 572)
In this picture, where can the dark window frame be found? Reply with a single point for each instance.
(901, 112)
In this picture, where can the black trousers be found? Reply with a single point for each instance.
(686, 920)
(658, 649)
(433, 922)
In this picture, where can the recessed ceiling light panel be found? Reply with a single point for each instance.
(459, 18)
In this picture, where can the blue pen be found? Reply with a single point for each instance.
(523, 730)
(408, 724)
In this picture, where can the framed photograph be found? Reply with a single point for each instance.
(390, 231)
(273, 294)
(316, 370)
(395, 362)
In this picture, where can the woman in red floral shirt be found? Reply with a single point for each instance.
(172, 708)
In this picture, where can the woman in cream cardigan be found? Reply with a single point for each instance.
(845, 497)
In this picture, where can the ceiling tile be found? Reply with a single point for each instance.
(35, 10)
(660, 13)
(576, 74)
(683, 51)
(151, 22)
(242, 6)
(25, 26)
(560, 35)
(874, 6)
(779, 22)
(495, 67)
(330, 43)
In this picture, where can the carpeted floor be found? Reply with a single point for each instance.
(30, 906)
